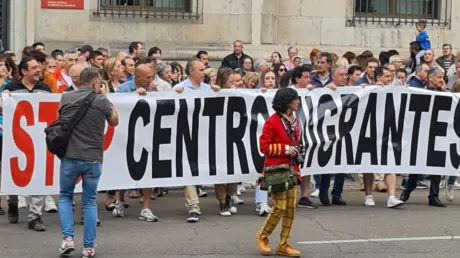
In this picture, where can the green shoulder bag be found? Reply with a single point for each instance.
(277, 179)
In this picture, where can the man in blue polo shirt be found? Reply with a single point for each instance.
(143, 77)
(195, 71)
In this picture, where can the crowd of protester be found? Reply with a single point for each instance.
(139, 72)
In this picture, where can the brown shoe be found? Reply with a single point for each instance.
(381, 188)
(361, 188)
(263, 244)
(286, 250)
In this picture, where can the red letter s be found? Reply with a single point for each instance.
(24, 143)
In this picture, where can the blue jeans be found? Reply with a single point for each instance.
(90, 172)
(451, 180)
(337, 190)
(419, 56)
(261, 196)
(317, 181)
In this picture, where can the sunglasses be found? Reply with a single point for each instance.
(281, 70)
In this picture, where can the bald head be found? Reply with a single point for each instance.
(75, 72)
(143, 76)
(142, 69)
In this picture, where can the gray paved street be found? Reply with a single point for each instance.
(216, 236)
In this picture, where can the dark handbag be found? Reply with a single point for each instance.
(277, 179)
(58, 133)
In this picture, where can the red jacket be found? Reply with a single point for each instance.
(61, 84)
(274, 140)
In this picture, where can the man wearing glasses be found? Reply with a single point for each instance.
(64, 81)
(447, 59)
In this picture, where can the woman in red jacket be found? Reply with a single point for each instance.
(280, 142)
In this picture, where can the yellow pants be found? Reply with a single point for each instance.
(283, 207)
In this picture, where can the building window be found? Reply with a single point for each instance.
(169, 9)
(396, 12)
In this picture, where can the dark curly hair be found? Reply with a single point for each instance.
(298, 72)
(283, 98)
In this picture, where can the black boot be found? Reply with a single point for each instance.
(13, 213)
(339, 201)
(435, 202)
(405, 195)
(324, 198)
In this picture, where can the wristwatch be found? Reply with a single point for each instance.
(286, 149)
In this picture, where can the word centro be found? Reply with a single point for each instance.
(226, 132)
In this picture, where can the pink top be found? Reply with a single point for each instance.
(288, 65)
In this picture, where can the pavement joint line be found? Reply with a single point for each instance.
(395, 239)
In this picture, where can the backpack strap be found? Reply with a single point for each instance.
(81, 111)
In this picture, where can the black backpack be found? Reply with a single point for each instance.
(58, 133)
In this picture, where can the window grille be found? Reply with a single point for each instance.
(164, 9)
(397, 12)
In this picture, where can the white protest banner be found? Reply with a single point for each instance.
(167, 139)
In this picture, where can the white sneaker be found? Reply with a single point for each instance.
(369, 201)
(67, 246)
(449, 193)
(232, 209)
(394, 202)
(224, 210)
(315, 193)
(442, 184)
(240, 189)
(456, 186)
(88, 252)
(50, 204)
(202, 193)
(237, 200)
(22, 203)
(263, 209)
(147, 215)
(119, 209)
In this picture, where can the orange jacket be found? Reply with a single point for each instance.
(50, 80)
(61, 84)
(274, 141)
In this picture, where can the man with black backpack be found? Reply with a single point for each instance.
(82, 114)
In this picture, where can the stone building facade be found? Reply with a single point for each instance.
(263, 25)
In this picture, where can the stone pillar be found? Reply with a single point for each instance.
(22, 24)
(256, 22)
